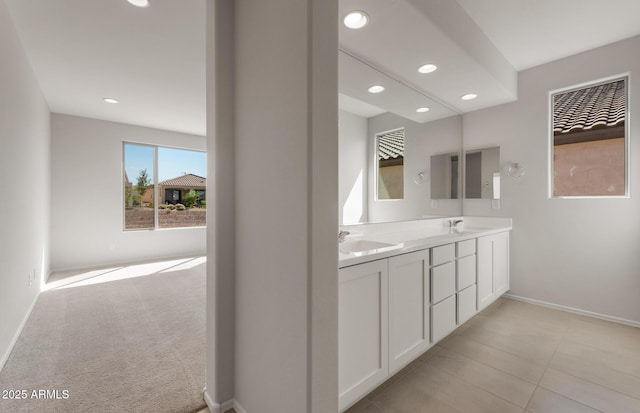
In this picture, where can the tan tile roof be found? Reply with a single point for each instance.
(186, 181)
(594, 107)
(391, 145)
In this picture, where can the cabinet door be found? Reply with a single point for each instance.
(408, 308)
(362, 329)
(443, 318)
(500, 263)
(485, 271)
(493, 268)
(466, 272)
(443, 281)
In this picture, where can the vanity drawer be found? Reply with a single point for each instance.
(443, 318)
(466, 274)
(466, 304)
(465, 248)
(443, 281)
(442, 254)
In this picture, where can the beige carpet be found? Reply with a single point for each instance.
(125, 345)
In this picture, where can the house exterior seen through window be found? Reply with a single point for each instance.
(590, 150)
(163, 187)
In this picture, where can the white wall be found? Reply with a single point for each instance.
(24, 167)
(86, 196)
(580, 253)
(353, 169)
(422, 140)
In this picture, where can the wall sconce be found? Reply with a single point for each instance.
(515, 170)
(419, 178)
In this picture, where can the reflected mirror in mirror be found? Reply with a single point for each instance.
(445, 176)
(482, 173)
(390, 170)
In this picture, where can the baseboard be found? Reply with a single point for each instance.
(7, 353)
(573, 310)
(238, 408)
(219, 408)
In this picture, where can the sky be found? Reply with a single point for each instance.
(171, 162)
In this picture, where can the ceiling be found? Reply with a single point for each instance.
(532, 32)
(153, 59)
(478, 46)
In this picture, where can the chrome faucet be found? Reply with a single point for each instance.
(453, 223)
(342, 235)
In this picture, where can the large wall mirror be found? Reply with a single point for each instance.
(482, 173)
(424, 157)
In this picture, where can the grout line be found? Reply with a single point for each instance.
(562, 337)
(477, 386)
(505, 351)
(598, 349)
(493, 367)
(396, 378)
(595, 384)
(568, 398)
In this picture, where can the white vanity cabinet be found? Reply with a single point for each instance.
(363, 334)
(392, 310)
(408, 308)
(493, 268)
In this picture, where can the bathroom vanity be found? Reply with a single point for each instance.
(403, 286)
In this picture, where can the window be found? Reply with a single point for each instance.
(589, 141)
(390, 165)
(163, 187)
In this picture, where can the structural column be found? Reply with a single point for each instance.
(272, 290)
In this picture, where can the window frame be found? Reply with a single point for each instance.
(627, 139)
(156, 223)
(376, 165)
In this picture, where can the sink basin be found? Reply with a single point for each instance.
(362, 245)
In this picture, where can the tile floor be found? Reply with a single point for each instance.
(517, 357)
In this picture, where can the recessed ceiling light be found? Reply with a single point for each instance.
(376, 89)
(139, 3)
(428, 68)
(110, 100)
(422, 109)
(469, 96)
(356, 19)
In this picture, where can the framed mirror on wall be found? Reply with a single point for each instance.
(482, 173)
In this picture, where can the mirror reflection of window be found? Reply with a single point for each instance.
(390, 165)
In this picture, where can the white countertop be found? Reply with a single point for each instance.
(409, 236)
